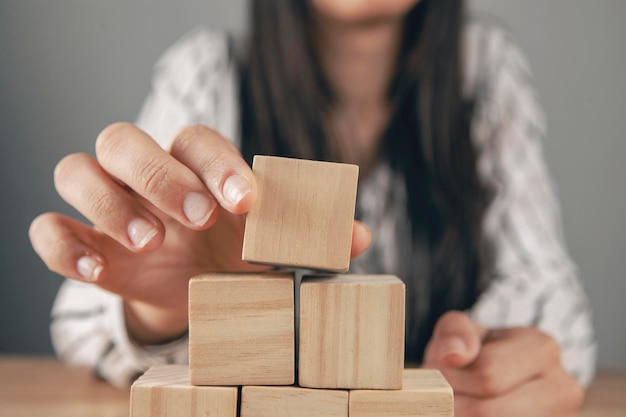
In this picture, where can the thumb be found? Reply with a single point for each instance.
(455, 343)
(361, 239)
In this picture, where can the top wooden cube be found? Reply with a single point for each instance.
(303, 214)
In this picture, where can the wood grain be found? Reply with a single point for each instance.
(303, 214)
(165, 391)
(351, 331)
(241, 329)
(293, 402)
(425, 393)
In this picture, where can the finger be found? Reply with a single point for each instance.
(131, 156)
(77, 251)
(361, 239)
(509, 358)
(64, 246)
(219, 164)
(557, 394)
(84, 185)
(455, 343)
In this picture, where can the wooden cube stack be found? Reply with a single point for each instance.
(242, 329)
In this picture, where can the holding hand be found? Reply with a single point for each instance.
(159, 218)
(502, 372)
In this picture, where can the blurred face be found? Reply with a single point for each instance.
(362, 11)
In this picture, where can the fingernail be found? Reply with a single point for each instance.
(198, 208)
(235, 189)
(451, 346)
(89, 268)
(140, 232)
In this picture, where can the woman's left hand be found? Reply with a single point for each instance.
(502, 372)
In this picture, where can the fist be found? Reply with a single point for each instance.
(502, 372)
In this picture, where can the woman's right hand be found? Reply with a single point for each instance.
(159, 218)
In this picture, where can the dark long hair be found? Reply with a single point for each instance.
(285, 107)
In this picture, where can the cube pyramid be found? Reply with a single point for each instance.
(245, 358)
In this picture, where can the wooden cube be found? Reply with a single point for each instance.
(425, 393)
(165, 391)
(293, 402)
(303, 214)
(351, 332)
(241, 329)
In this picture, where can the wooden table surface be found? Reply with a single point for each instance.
(41, 386)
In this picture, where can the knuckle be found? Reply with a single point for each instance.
(110, 137)
(194, 130)
(577, 396)
(182, 141)
(449, 317)
(550, 346)
(101, 204)
(188, 135)
(214, 163)
(574, 395)
(482, 408)
(487, 378)
(152, 176)
(453, 315)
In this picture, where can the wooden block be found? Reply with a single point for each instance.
(165, 391)
(351, 332)
(303, 214)
(425, 393)
(293, 402)
(241, 329)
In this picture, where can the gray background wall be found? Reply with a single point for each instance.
(70, 67)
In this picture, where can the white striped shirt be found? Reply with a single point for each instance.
(534, 282)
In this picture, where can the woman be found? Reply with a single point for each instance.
(440, 116)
